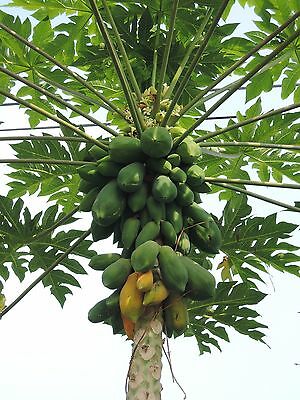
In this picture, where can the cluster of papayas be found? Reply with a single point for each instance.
(145, 192)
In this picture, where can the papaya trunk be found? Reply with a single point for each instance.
(145, 367)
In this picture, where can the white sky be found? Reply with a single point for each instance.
(48, 353)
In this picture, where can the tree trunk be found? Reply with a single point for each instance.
(145, 366)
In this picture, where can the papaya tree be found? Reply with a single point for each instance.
(147, 77)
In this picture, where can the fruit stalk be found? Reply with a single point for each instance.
(145, 366)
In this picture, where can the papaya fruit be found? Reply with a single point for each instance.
(136, 201)
(156, 295)
(175, 315)
(184, 244)
(145, 281)
(125, 149)
(102, 261)
(116, 323)
(163, 189)
(109, 204)
(144, 257)
(174, 216)
(160, 166)
(188, 150)
(131, 299)
(96, 152)
(99, 312)
(130, 230)
(88, 200)
(185, 195)
(156, 141)
(173, 272)
(195, 176)
(150, 231)
(174, 159)
(207, 238)
(197, 197)
(89, 173)
(131, 177)
(112, 301)
(107, 167)
(101, 232)
(115, 275)
(168, 233)
(128, 326)
(156, 209)
(201, 283)
(176, 131)
(144, 217)
(177, 175)
(198, 214)
(85, 186)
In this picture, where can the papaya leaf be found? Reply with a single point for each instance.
(229, 307)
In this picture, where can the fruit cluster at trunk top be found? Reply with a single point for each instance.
(145, 193)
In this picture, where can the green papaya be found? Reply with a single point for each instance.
(117, 231)
(198, 214)
(125, 149)
(185, 195)
(101, 261)
(96, 152)
(101, 232)
(107, 167)
(163, 189)
(168, 233)
(150, 231)
(88, 200)
(195, 176)
(99, 312)
(207, 238)
(115, 275)
(136, 201)
(109, 204)
(197, 198)
(112, 301)
(188, 150)
(156, 209)
(131, 177)
(144, 257)
(173, 272)
(156, 141)
(178, 175)
(130, 231)
(160, 166)
(201, 283)
(89, 173)
(85, 186)
(175, 315)
(174, 159)
(177, 130)
(144, 217)
(174, 215)
(184, 244)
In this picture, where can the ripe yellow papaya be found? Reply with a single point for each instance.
(156, 295)
(145, 281)
(128, 327)
(131, 299)
(175, 315)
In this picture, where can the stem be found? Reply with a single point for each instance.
(118, 66)
(240, 82)
(258, 196)
(156, 44)
(248, 121)
(42, 161)
(188, 53)
(45, 273)
(194, 62)
(53, 117)
(250, 182)
(62, 67)
(166, 55)
(60, 222)
(238, 63)
(250, 144)
(39, 138)
(123, 51)
(58, 99)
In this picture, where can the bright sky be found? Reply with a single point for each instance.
(47, 353)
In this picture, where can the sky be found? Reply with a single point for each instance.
(48, 353)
